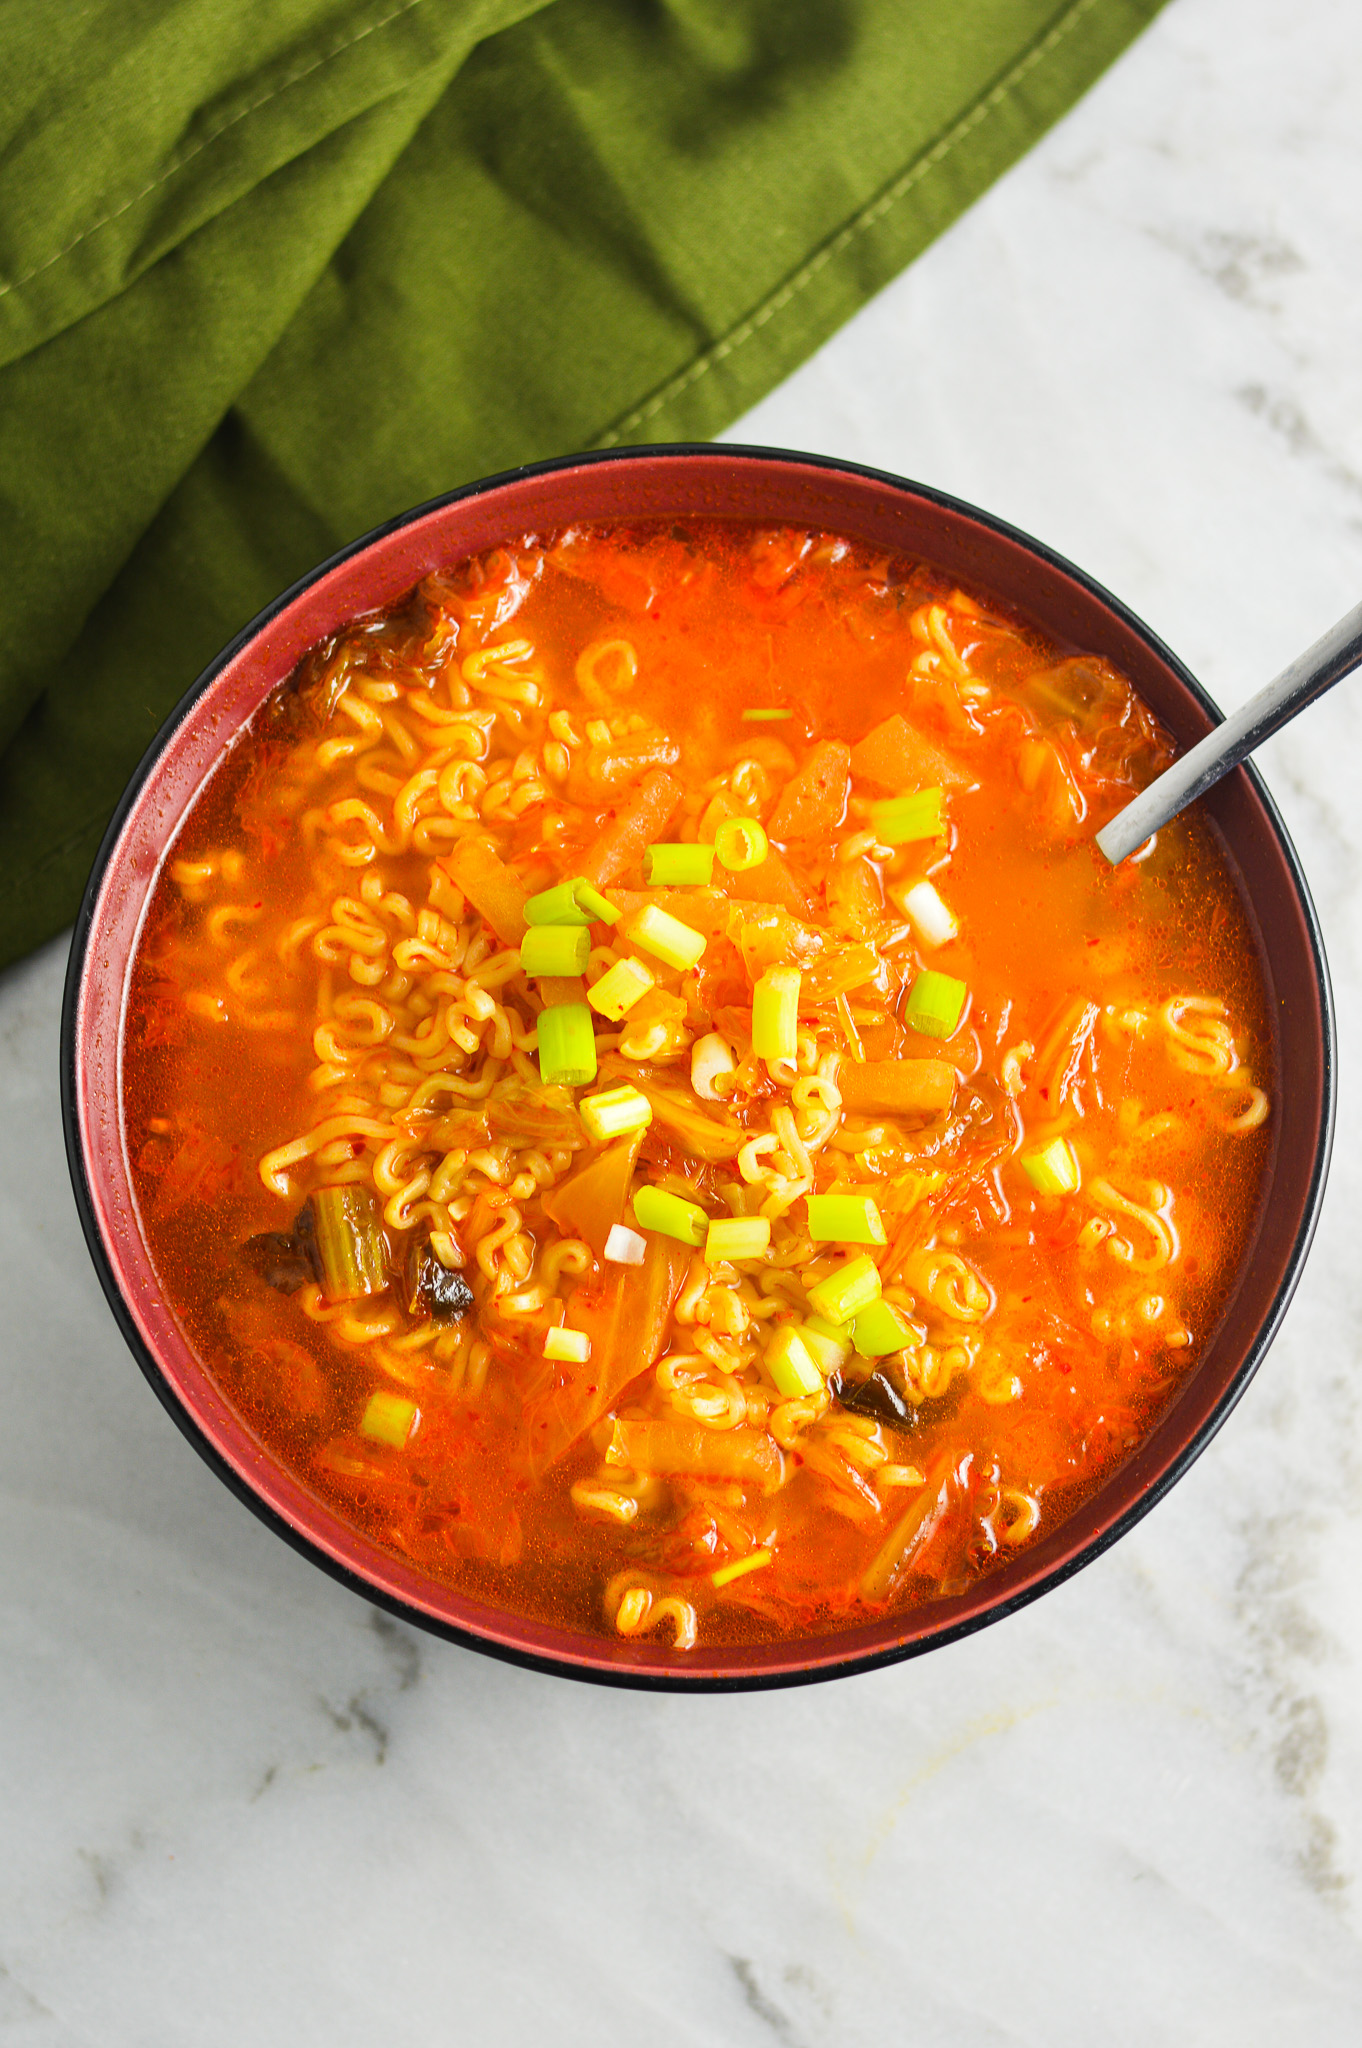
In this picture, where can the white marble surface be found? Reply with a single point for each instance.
(240, 1807)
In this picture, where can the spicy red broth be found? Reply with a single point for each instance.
(648, 1100)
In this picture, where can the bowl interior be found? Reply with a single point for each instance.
(706, 482)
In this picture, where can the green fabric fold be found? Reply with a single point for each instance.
(273, 273)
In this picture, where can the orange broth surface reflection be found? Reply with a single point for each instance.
(329, 1019)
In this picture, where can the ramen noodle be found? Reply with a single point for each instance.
(646, 1098)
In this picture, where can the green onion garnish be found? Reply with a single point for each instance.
(555, 906)
(574, 902)
(655, 1209)
(599, 908)
(737, 1237)
(766, 717)
(741, 843)
(657, 931)
(614, 1113)
(1052, 1169)
(905, 818)
(845, 1293)
(775, 1014)
(676, 866)
(619, 988)
(934, 1003)
(560, 1342)
(389, 1419)
(845, 1219)
(879, 1329)
(792, 1364)
(555, 949)
(830, 1343)
(567, 1045)
(348, 1230)
(753, 1562)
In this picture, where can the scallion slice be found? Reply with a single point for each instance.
(765, 716)
(656, 1209)
(933, 921)
(775, 1014)
(614, 1113)
(935, 1002)
(845, 1293)
(741, 843)
(619, 988)
(658, 932)
(845, 1219)
(574, 902)
(558, 905)
(678, 866)
(567, 1045)
(830, 1343)
(904, 818)
(737, 1237)
(573, 1345)
(879, 1329)
(753, 1562)
(792, 1364)
(389, 1419)
(598, 908)
(347, 1228)
(1052, 1169)
(625, 1247)
(555, 949)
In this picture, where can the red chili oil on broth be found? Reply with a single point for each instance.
(398, 1230)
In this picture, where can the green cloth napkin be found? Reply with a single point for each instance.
(273, 270)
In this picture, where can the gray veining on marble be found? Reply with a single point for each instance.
(239, 1806)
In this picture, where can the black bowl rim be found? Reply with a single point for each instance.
(623, 1675)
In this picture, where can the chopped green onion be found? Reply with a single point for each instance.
(739, 1568)
(624, 1247)
(619, 988)
(574, 902)
(775, 1014)
(737, 1237)
(556, 906)
(616, 1111)
(905, 818)
(934, 923)
(567, 1044)
(845, 1219)
(657, 931)
(845, 1293)
(555, 949)
(741, 843)
(655, 1209)
(676, 866)
(560, 1342)
(765, 717)
(934, 1003)
(792, 1364)
(830, 1343)
(389, 1419)
(878, 1329)
(599, 908)
(1052, 1169)
(347, 1227)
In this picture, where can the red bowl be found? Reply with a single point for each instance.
(665, 483)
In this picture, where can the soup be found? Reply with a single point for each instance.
(647, 1099)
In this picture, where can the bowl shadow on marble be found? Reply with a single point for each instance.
(675, 482)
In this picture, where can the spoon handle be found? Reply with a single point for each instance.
(1309, 676)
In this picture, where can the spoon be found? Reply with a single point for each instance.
(1308, 676)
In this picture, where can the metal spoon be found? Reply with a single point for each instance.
(1308, 677)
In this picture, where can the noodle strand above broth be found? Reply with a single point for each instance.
(644, 1095)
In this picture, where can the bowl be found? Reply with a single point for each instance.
(661, 483)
